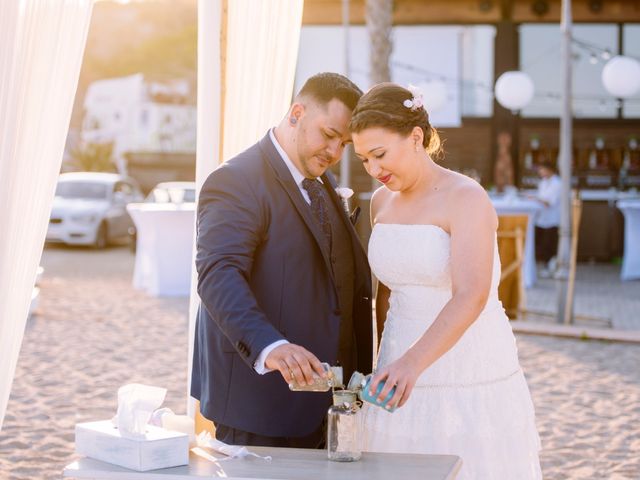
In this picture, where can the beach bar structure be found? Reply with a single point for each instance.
(465, 45)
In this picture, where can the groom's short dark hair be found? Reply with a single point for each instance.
(324, 87)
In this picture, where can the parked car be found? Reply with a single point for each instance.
(166, 192)
(89, 208)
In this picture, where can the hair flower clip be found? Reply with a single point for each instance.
(417, 101)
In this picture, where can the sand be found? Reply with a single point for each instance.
(94, 333)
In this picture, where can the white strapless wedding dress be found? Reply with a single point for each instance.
(473, 401)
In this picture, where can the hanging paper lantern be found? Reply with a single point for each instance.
(514, 90)
(621, 76)
(434, 95)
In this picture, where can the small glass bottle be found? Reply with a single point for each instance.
(359, 384)
(343, 428)
(333, 379)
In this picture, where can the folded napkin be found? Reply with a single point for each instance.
(205, 439)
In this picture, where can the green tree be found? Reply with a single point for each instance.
(93, 157)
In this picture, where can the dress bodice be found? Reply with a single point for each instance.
(415, 255)
(414, 261)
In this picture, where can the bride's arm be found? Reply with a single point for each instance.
(382, 292)
(473, 224)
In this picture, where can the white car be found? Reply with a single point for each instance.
(89, 208)
(173, 192)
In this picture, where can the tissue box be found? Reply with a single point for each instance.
(159, 448)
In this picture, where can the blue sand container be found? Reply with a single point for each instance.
(364, 395)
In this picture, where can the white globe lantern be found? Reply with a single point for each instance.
(434, 95)
(621, 76)
(514, 90)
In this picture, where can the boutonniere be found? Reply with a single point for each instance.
(345, 194)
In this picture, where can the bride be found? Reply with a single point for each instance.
(447, 345)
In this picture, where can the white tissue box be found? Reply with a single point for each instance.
(159, 448)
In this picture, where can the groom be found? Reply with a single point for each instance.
(283, 280)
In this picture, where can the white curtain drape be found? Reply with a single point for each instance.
(261, 54)
(261, 51)
(41, 47)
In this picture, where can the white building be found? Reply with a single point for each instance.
(139, 116)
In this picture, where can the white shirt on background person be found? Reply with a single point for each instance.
(549, 190)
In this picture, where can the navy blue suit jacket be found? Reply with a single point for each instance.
(263, 276)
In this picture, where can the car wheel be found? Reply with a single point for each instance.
(101, 237)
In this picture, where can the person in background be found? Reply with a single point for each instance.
(548, 218)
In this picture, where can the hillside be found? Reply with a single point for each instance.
(155, 37)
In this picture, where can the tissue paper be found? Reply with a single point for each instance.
(128, 440)
(136, 403)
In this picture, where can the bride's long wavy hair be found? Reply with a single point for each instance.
(384, 106)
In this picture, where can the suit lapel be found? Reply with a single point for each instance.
(283, 175)
(330, 184)
(361, 263)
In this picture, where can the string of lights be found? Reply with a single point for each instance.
(540, 95)
(598, 52)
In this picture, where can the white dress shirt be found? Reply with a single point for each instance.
(298, 177)
(549, 190)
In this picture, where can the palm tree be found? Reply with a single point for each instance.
(379, 17)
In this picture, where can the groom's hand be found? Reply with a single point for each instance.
(295, 364)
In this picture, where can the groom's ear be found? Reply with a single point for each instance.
(295, 113)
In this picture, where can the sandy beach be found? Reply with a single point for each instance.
(94, 332)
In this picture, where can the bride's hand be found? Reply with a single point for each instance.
(403, 374)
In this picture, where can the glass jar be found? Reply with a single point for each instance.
(333, 379)
(344, 428)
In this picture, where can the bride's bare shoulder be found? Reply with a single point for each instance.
(378, 199)
(460, 185)
(468, 196)
(380, 193)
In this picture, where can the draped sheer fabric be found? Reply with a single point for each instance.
(41, 48)
(262, 49)
(260, 54)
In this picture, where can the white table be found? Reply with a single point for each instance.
(506, 205)
(631, 257)
(287, 464)
(164, 249)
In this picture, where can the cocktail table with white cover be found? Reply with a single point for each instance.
(287, 464)
(513, 205)
(631, 257)
(164, 251)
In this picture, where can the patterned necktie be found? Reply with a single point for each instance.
(319, 206)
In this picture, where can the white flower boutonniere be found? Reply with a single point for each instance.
(345, 194)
